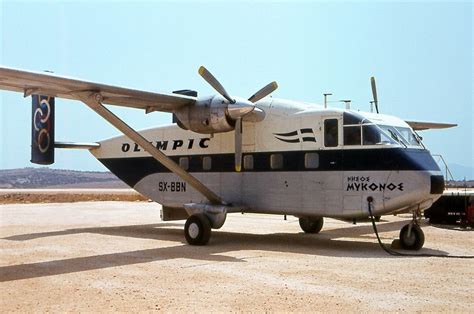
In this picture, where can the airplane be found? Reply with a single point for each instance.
(226, 154)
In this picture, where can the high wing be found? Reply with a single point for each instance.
(95, 95)
(421, 125)
(49, 84)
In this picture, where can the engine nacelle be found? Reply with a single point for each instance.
(208, 116)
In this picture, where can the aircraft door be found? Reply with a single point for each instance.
(332, 159)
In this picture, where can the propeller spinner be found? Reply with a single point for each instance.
(237, 108)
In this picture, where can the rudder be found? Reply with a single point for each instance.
(42, 130)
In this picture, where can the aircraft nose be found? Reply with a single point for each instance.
(437, 184)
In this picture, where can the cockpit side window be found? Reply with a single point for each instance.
(330, 133)
(371, 135)
(352, 135)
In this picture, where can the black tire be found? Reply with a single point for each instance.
(197, 229)
(311, 225)
(416, 239)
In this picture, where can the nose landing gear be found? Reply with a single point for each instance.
(411, 235)
(311, 225)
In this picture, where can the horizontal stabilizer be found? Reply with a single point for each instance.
(70, 145)
(421, 125)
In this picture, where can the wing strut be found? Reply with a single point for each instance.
(94, 101)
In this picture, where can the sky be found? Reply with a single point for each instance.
(420, 53)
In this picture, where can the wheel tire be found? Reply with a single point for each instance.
(416, 239)
(197, 229)
(311, 225)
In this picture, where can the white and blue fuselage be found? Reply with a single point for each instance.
(301, 160)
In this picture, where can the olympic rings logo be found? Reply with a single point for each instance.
(41, 124)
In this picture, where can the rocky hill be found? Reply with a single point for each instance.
(27, 178)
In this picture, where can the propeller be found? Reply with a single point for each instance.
(264, 92)
(215, 83)
(237, 108)
(374, 93)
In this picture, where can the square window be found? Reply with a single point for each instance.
(352, 135)
(248, 162)
(206, 163)
(184, 163)
(311, 160)
(276, 161)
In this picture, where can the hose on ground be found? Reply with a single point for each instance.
(395, 253)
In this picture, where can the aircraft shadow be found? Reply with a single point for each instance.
(324, 244)
(132, 231)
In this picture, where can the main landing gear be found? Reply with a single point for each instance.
(311, 224)
(203, 218)
(197, 229)
(411, 235)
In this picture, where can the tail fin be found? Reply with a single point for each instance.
(42, 130)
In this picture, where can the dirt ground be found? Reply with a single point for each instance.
(118, 256)
(28, 196)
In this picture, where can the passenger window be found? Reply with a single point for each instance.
(248, 162)
(311, 160)
(330, 133)
(206, 163)
(276, 161)
(184, 163)
(352, 135)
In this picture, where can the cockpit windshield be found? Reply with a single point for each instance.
(402, 135)
(358, 130)
(411, 137)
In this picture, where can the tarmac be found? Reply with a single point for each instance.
(118, 256)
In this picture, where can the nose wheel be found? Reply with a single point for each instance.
(311, 225)
(411, 235)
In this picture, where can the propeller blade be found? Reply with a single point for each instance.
(238, 144)
(264, 92)
(214, 83)
(374, 93)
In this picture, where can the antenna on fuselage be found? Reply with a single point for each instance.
(326, 99)
(347, 102)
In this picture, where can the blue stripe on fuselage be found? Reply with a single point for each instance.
(132, 170)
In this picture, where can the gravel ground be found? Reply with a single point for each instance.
(118, 256)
